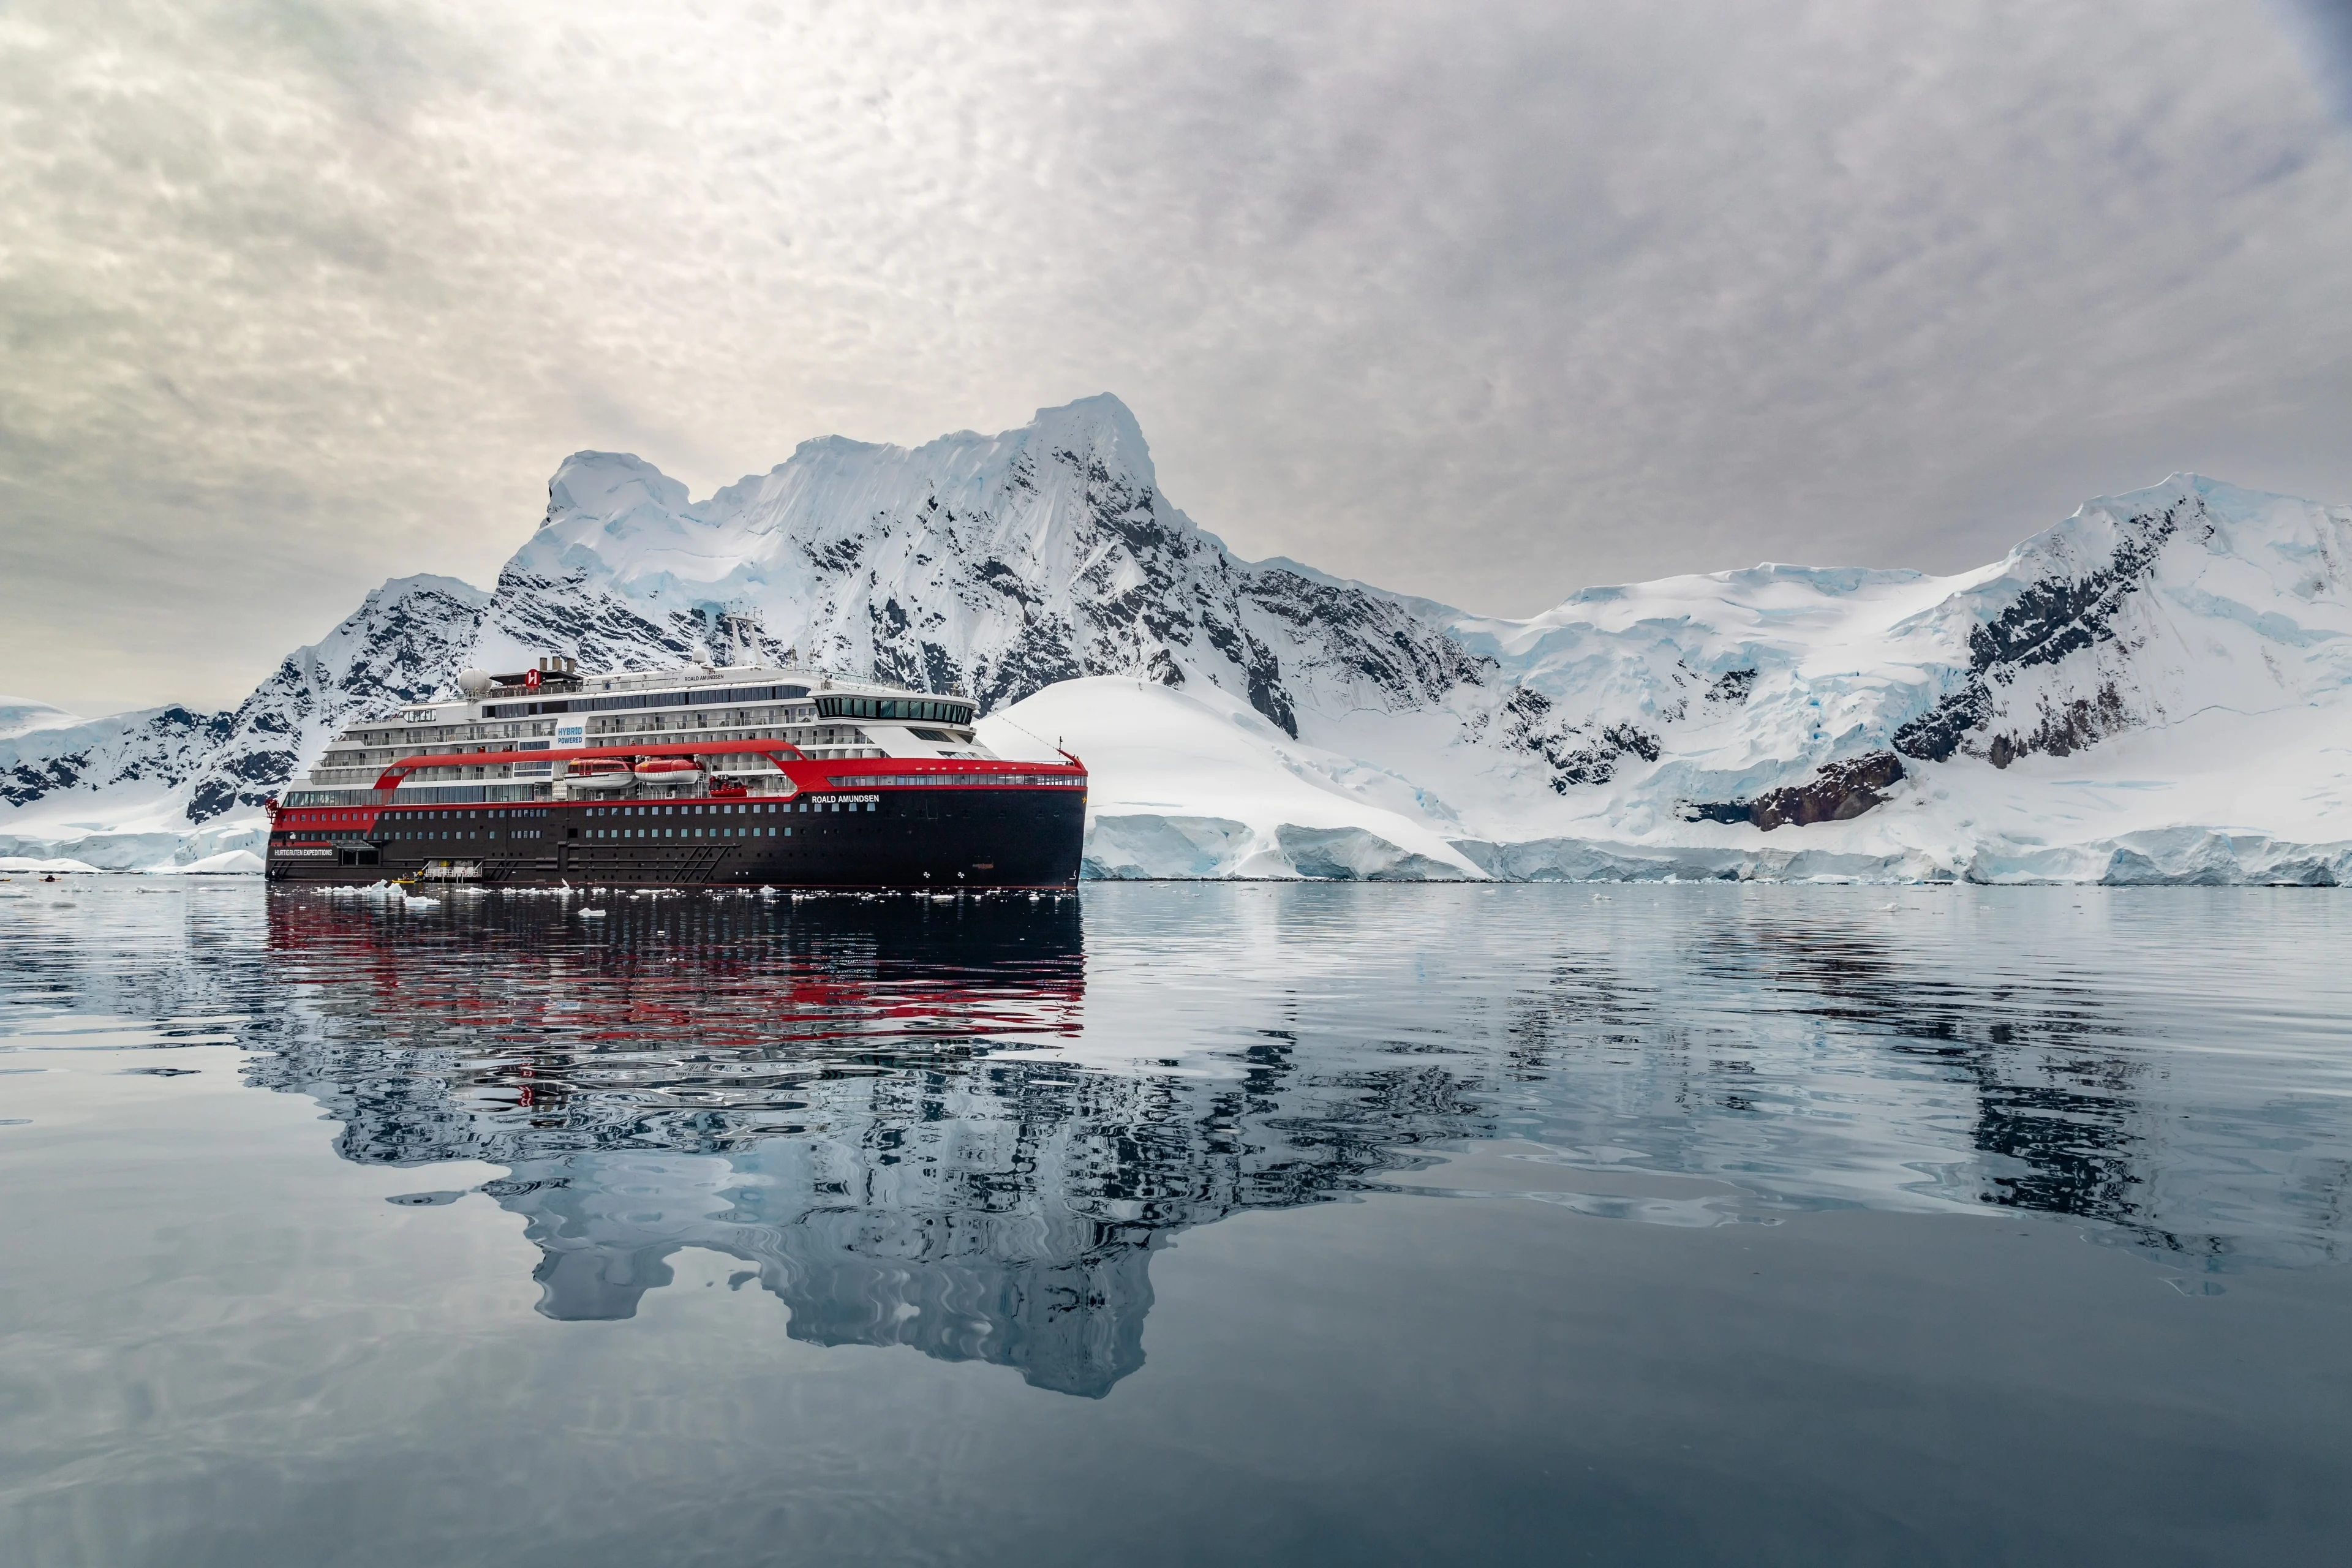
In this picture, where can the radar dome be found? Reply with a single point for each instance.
(473, 682)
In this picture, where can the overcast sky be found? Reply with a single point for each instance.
(1483, 302)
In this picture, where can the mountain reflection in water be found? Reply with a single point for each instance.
(847, 1100)
(916, 1123)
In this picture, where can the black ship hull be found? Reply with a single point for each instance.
(970, 837)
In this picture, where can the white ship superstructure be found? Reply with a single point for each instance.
(822, 717)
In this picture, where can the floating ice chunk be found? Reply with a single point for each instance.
(227, 863)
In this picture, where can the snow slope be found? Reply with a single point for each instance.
(2154, 689)
(22, 716)
(1201, 784)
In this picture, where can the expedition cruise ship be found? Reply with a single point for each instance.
(739, 776)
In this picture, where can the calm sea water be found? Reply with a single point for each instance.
(1177, 1224)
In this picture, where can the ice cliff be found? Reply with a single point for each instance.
(2150, 690)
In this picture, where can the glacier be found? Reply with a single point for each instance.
(2151, 690)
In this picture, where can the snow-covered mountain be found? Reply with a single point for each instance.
(402, 645)
(2195, 635)
(2152, 688)
(128, 760)
(993, 565)
(169, 786)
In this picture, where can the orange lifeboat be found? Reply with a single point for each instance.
(669, 771)
(598, 773)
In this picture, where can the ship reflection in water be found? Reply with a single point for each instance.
(899, 1116)
(849, 1096)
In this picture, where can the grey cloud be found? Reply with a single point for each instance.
(1486, 302)
(2324, 29)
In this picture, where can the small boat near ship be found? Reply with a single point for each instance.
(732, 776)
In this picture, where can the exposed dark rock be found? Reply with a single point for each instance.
(1576, 753)
(1935, 736)
(1006, 581)
(2067, 729)
(1732, 686)
(2051, 619)
(1265, 692)
(1039, 658)
(841, 555)
(1836, 793)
